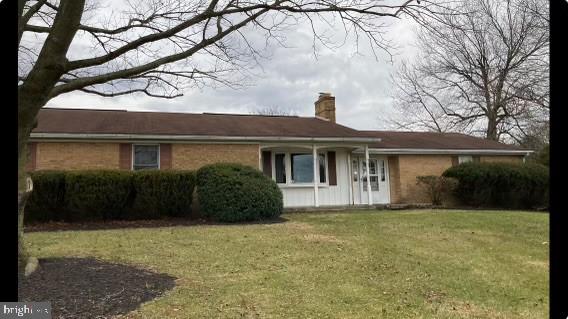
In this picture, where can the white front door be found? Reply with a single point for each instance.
(378, 177)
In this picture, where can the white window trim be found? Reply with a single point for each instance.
(143, 144)
(288, 169)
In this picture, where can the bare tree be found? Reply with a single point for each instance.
(273, 110)
(161, 47)
(484, 71)
(537, 138)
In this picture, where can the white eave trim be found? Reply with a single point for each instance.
(446, 151)
(180, 138)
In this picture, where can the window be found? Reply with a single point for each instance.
(280, 168)
(465, 159)
(355, 168)
(301, 168)
(382, 167)
(373, 176)
(146, 157)
(322, 170)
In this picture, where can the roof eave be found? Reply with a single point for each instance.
(479, 151)
(181, 138)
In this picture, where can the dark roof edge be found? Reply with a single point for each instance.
(138, 137)
(467, 151)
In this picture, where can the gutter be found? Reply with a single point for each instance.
(35, 137)
(446, 151)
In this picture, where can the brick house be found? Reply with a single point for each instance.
(292, 150)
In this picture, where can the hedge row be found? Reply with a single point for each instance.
(501, 185)
(109, 195)
(235, 193)
(227, 193)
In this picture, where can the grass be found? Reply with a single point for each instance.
(404, 264)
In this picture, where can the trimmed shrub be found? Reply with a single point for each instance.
(235, 193)
(90, 195)
(162, 193)
(502, 185)
(437, 187)
(97, 195)
(46, 201)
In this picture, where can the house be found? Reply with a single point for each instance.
(294, 151)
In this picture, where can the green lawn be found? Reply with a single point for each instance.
(403, 264)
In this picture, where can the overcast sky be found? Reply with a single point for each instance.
(290, 80)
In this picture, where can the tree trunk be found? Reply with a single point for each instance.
(34, 93)
(491, 132)
(25, 187)
(27, 112)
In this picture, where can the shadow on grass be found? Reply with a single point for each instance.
(124, 224)
(90, 288)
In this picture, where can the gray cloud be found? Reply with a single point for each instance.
(291, 80)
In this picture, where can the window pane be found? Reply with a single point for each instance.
(374, 183)
(374, 180)
(465, 159)
(355, 170)
(145, 156)
(364, 174)
(382, 168)
(373, 176)
(321, 158)
(373, 167)
(280, 168)
(302, 168)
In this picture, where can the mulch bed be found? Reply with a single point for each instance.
(121, 224)
(113, 224)
(89, 288)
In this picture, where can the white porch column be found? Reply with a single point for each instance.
(316, 176)
(369, 191)
(350, 174)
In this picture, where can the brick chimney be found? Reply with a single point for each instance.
(325, 106)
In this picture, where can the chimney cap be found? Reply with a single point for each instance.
(324, 94)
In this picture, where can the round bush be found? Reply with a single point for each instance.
(504, 185)
(162, 193)
(235, 193)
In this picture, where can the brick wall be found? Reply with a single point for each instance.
(404, 169)
(394, 179)
(76, 155)
(412, 166)
(73, 156)
(193, 156)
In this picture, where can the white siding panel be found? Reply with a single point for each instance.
(298, 197)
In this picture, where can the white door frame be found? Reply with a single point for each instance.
(384, 186)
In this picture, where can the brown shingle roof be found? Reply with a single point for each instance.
(88, 121)
(433, 140)
(84, 121)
